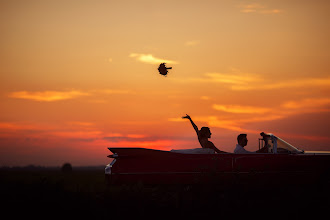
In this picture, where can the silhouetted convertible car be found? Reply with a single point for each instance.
(282, 164)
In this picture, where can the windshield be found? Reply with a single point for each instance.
(282, 146)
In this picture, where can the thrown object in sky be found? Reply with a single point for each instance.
(163, 69)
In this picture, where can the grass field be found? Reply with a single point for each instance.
(82, 193)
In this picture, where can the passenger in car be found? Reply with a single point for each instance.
(242, 142)
(203, 135)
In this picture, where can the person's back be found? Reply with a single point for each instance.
(203, 135)
(205, 143)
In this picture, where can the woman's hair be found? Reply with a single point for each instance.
(204, 131)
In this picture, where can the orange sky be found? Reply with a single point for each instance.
(79, 76)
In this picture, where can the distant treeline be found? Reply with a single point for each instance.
(55, 168)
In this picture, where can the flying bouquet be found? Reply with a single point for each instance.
(163, 69)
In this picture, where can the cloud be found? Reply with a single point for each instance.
(149, 58)
(270, 85)
(282, 111)
(258, 9)
(241, 109)
(78, 134)
(48, 96)
(120, 138)
(251, 8)
(136, 136)
(233, 78)
(94, 134)
(100, 94)
(51, 96)
(136, 140)
(306, 137)
(271, 11)
(72, 131)
(238, 124)
(191, 43)
(205, 98)
(308, 105)
(213, 121)
(175, 119)
(232, 124)
(227, 124)
(242, 81)
(80, 123)
(113, 91)
(18, 126)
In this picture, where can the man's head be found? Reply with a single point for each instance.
(242, 140)
(205, 132)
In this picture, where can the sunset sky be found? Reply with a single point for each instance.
(79, 76)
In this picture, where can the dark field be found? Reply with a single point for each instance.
(82, 193)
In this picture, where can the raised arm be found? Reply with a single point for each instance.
(192, 123)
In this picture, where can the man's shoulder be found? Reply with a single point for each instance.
(239, 149)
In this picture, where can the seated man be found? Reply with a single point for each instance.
(242, 142)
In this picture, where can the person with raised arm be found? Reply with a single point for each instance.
(203, 135)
